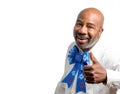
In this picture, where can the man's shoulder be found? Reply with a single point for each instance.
(71, 45)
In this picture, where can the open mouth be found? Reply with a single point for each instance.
(81, 39)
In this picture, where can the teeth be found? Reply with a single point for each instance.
(81, 38)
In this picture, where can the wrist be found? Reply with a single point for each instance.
(105, 80)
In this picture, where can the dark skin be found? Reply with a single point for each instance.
(95, 73)
(87, 31)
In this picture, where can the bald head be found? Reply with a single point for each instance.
(88, 28)
(94, 13)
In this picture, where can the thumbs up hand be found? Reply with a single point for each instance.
(95, 73)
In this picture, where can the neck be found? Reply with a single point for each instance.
(86, 49)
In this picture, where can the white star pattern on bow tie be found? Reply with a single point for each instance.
(81, 76)
(73, 73)
(85, 57)
(81, 67)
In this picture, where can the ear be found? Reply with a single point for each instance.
(100, 31)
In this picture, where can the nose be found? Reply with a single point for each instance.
(83, 30)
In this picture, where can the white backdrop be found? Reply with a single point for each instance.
(34, 36)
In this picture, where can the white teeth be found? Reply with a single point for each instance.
(81, 38)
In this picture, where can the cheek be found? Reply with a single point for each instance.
(95, 37)
(100, 34)
(74, 33)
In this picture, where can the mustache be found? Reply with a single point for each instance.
(81, 35)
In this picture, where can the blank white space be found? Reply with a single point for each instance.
(34, 36)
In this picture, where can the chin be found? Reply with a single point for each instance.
(83, 47)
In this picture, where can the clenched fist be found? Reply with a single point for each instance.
(95, 73)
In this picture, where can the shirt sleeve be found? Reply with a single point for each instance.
(113, 78)
(112, 65)
(61, 87)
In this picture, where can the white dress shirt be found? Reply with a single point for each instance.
(109, 60)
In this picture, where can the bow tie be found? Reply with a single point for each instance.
(79, 60)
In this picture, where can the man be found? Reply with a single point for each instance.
(100, 74)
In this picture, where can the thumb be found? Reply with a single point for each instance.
(94, 60)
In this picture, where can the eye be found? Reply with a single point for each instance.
(90, 26)
(79, 24)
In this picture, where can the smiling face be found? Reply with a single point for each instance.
(88, 28)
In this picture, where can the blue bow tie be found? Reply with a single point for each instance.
(80, 60)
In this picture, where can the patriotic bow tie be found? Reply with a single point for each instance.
(79, 60)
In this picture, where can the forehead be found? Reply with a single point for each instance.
(89, 11)
(89, 16)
